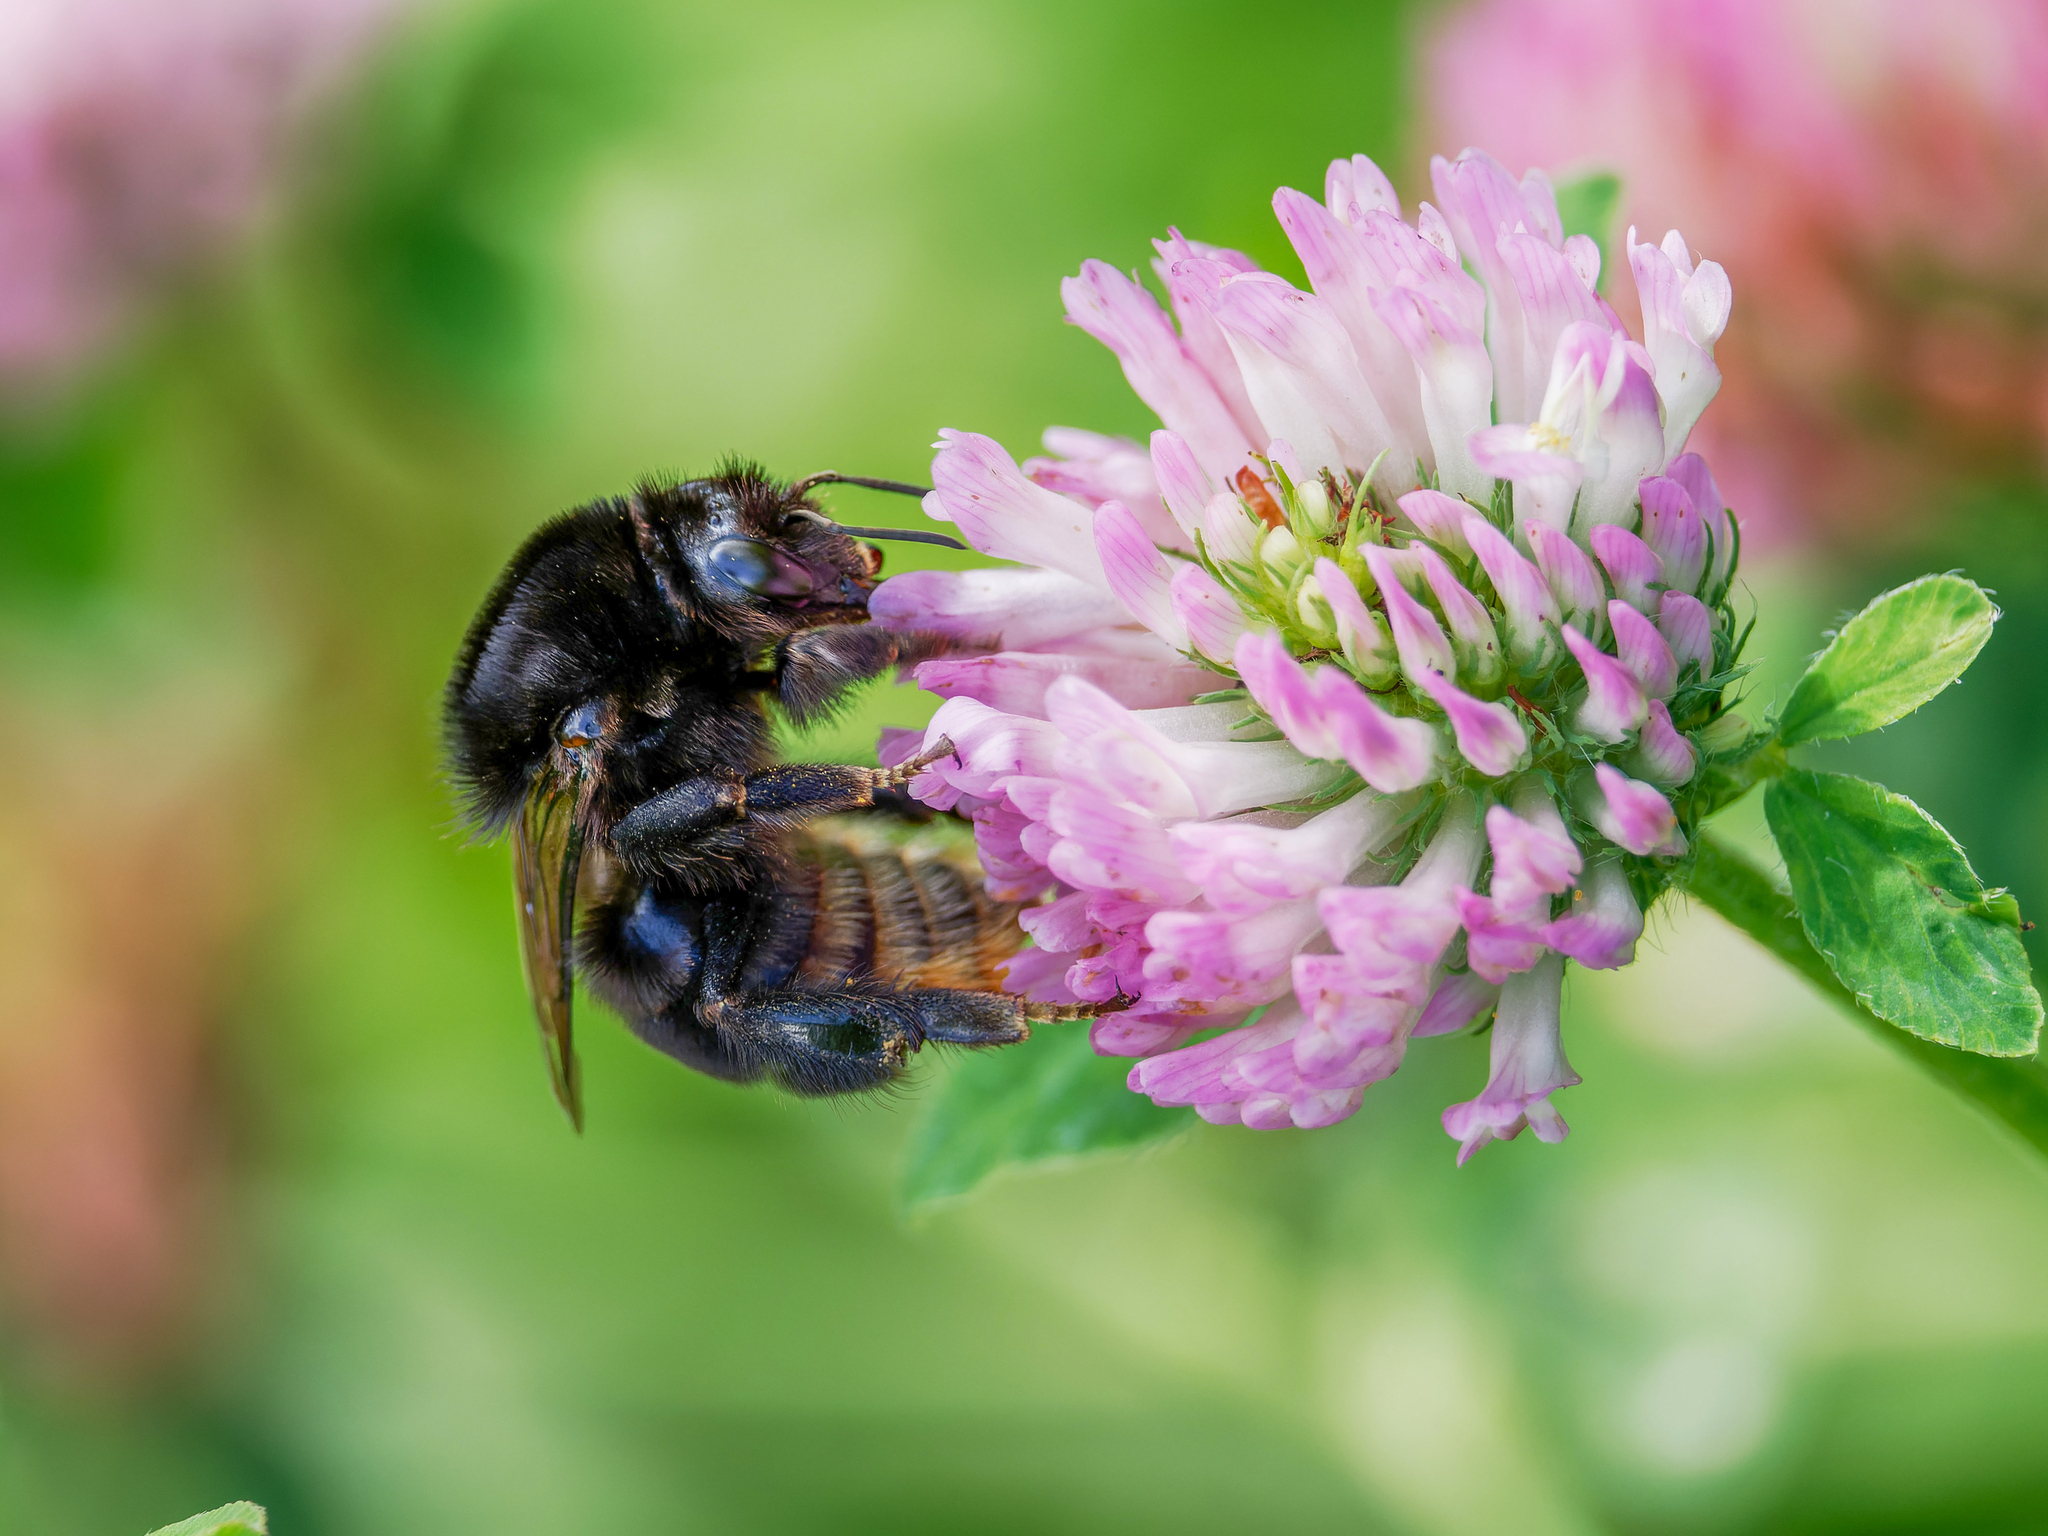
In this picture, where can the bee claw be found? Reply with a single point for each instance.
(909, 769)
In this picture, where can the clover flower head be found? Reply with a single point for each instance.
(1385, 679)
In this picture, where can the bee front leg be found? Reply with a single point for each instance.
(813, 669)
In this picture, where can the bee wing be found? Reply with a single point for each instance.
(547, 848)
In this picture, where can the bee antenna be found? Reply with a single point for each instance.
(898, 487)
(833, 477)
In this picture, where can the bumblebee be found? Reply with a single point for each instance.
(611, 706)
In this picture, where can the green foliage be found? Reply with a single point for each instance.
(1894, 656)
(1891, 901)
(1051, 1098)
(240, 1518)
(1588, 206)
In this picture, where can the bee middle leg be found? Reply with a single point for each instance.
(698, 815)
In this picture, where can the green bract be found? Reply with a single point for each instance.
(1890, 659)
(1891, 901)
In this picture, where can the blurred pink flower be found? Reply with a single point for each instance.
(1878, 173)
(137, 139)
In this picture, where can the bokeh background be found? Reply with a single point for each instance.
(310, 309)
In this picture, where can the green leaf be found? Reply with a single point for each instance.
(1891, 901)
(1587, 206)
(2014, 1093)
(240, 1518)
(1890, 659)
(1051, 1097)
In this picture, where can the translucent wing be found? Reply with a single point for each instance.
(547, 848)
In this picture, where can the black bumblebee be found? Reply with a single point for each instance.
(610, 705)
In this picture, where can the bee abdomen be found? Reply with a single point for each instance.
(904, 917)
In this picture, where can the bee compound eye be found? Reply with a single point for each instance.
(580, 726)
(743, 562)
(756, 567)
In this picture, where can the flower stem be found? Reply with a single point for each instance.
(2013, 1091)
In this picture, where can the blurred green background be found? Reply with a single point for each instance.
(288, 1213)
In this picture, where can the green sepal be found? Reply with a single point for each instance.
(1050, 1098)
(1886, 895)
(1894, 656)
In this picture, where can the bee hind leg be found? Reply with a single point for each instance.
(818, 1043)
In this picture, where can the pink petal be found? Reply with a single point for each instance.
(1302, 372)
(1642, 650)
(1456, 1002)
(1662, 755)
(1496, 945)
(1615, 703)
(1688, 627)
(1490, 736)
(1013, 609)
(1481, 202)
(1093, 467)
(1532, 610)
(1345, 265)
(1184, 485)
(1601, 930)
(1546, 482)
(1534, 857)
(1441, 326)
(1365, 641)
(1327, 715)
(1244, 867)
(1015, 681)
(1687, 378)
(1634, 814)
(1528, 1065)
(1140, 576)
(1126, 1034)
(1121, 315)
(1674, 532)
(1474, 638)
(1190, 271)
(1631, 562)
(1001, 513)
(1418, 637)
(1440, 518)
(1553, 296)
(1690, 471)
(1212, 616)
(1580, 592)
(1355, 187)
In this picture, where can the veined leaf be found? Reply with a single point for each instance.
(1891, 901)
(240, 1518)
(1051, 1097)
(1890, 659)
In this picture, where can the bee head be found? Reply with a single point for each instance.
(751, 558)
